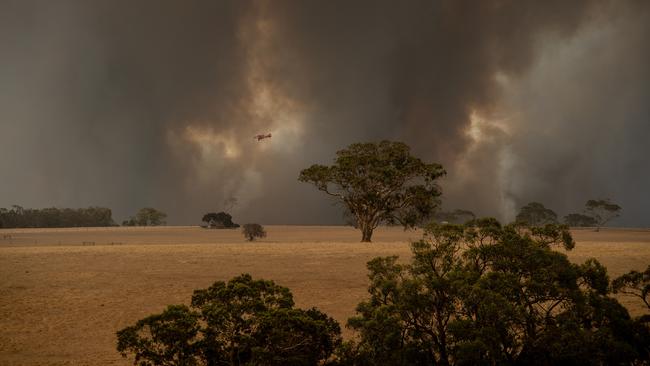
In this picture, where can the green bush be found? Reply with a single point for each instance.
(241, 322)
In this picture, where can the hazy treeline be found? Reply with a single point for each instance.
(19, 217)
(147, 216)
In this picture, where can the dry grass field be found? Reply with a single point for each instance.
(65, 292)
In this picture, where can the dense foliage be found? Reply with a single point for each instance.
(253, 231)
(379, 183)
(147, 217)
(487, 294)
(219, 220)
(19, 217)
(241, 322)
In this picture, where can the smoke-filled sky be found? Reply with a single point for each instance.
(127, 104)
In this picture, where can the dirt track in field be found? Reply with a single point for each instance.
(65, 292)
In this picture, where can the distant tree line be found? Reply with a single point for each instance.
(146, 217)
(597, 213)
(19, 217)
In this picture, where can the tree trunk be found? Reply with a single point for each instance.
(366, 232)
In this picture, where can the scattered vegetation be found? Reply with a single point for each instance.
(219, 220)
(379, 183)
(535, 214)
(19, 217)
(242, 322)
(147, 217)
(474, 294)
(253, 231)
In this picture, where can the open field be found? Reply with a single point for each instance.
(65, 292)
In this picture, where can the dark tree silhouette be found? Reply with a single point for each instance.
(535, 214)
(219, 220)
(602, 211)
(17, 217)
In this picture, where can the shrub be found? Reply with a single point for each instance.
(253, 231)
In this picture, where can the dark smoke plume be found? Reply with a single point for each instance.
(129, 104)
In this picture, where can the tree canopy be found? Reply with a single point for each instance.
(635, 283)
(241, 322)
(486, 294)
(379, 183)
(219, 220)
(602, 211)
(535, 214)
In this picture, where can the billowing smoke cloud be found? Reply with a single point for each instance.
(155, 103)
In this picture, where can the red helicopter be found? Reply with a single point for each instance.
(262, 137)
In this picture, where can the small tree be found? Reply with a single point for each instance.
(219, 220)
(579, 220)
(379, 183)
(535, 214)
(252, 231)
(602, 211)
